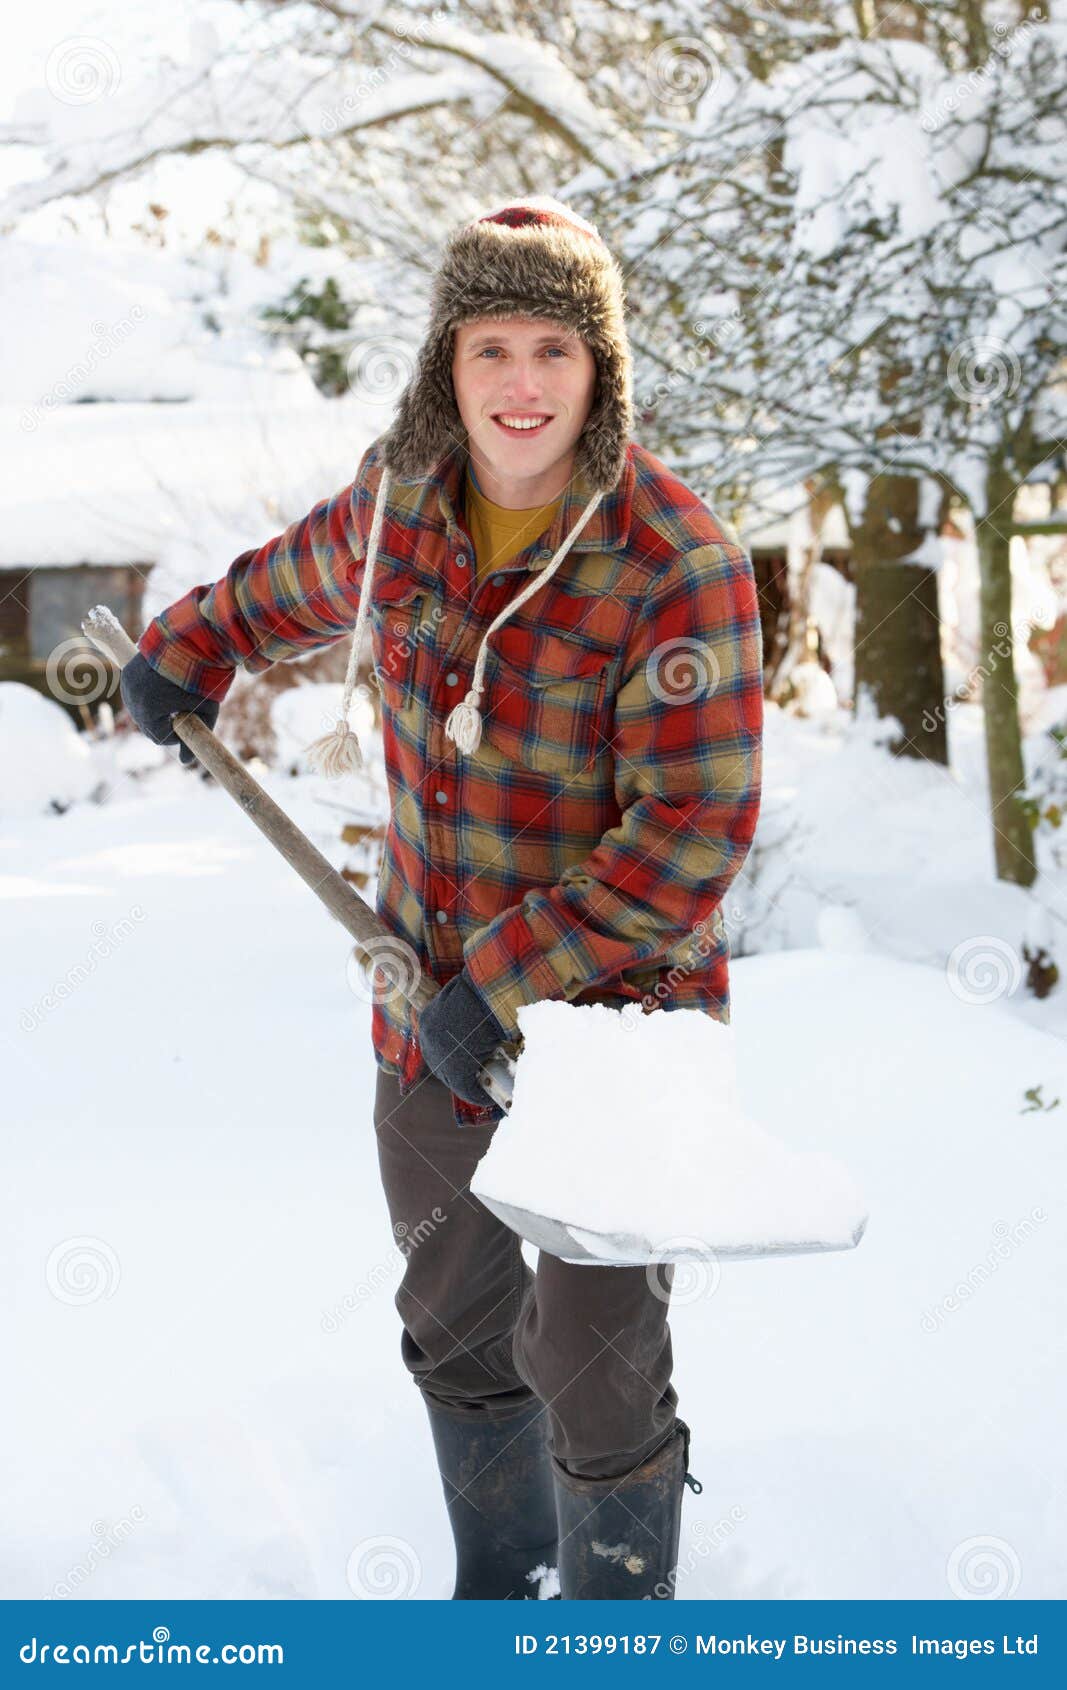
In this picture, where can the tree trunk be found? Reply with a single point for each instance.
(821, 501)
(1013, 840)
(898, 625)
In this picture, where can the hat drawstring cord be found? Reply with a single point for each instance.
(339, 752)
(464, 724)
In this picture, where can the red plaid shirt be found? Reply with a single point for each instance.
(586, 847)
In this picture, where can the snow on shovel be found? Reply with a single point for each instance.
(627, 1128)
(624, 1143)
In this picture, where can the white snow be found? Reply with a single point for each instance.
(629, 1127)
(813, 689)
(199, 1258)
(781, 517)
(46, 763)
(178, 489)
(134, 433)
(104, 325)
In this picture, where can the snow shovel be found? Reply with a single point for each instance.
(516, 1161)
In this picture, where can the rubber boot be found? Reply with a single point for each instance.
(618, 1538)
(497, 1481)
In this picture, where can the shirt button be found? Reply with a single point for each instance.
(442, 797)
(451, 679)
(498, 580)
(441, 917)
(461, 560)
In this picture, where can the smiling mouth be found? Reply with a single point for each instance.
(514, 423)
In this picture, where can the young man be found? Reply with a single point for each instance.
(568, 651)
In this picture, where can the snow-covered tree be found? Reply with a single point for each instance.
(850, 270)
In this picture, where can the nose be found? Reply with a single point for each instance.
(524, 382)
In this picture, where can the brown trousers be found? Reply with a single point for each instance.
(482, 1332)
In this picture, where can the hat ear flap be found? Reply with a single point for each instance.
(601, 448)
(427, 422)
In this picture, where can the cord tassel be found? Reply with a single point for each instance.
(336, 753)
(339, 752)
(464, 725)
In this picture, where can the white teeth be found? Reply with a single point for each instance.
(522, 422)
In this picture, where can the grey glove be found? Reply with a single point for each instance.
(152, 700)
(458, 1032)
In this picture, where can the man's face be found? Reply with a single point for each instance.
(516, 373)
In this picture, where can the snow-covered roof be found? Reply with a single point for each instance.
(94, 322)
(170, 484)
(135, 432)
(780, 515)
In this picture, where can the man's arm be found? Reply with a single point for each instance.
(688, 760)
(294, 594)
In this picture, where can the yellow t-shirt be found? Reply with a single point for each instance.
(500, 534)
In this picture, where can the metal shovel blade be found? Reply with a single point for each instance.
(572, 1242)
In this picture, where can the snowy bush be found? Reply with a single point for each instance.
(47, 764)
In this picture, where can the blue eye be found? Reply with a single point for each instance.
(558, 349)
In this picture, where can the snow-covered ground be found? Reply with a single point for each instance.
(205, 1392)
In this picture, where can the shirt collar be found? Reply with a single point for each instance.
(440, 499)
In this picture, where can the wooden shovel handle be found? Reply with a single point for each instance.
(371, 935)
(372, 938)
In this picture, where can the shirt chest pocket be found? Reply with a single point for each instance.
(400, 622)
(548, 699)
